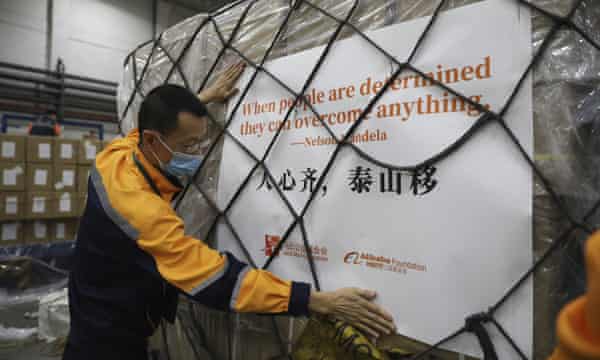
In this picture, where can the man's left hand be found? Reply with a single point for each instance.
(224, 87)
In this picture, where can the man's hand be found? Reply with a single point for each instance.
(356, 307)
(224, 87)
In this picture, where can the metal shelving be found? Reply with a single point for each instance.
(34, 91)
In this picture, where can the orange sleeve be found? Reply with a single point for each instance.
(251, 296)
(217, 280)
(578, 325)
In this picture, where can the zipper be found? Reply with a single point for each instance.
(146, 176)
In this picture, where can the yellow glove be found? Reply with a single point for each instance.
(578, 325)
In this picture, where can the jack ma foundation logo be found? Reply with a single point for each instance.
(290, 248)
(383, 263)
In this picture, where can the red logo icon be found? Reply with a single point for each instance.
(352, 258)
(271, 242)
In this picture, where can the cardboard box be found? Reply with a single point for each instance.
(11, 233)
(66, 151)
(88, 149)
(12, 205)
(12, 148)
(12, 176)
(65, 178)
(40, 205)
(40, 177)
(40, 149)
(66, 205)
(63, 230)
(37, 232)
(82, 200)
(83, 174)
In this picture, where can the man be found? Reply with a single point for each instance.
(133, 256)
(45, 125)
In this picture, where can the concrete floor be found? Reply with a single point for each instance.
(29, 351)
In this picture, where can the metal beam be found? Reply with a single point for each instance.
(5, 86)
(154, 18)
(55, 74)
(28, 109)
(49, 32)
(57, 83)
(16, 86)
(50, 101)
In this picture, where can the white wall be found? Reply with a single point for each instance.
(23, 32)
(170, 14)
(91, 36)
(94, 36)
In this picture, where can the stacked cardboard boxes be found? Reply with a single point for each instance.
(63, 230)
(88, 150)
(13, 173)
(11, 233)
(43, 186)
(83, 175)
(66, 202)
(87, 153)
(39, 185)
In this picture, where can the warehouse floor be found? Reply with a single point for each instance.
(30, 351)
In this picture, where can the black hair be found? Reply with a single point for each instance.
(162, 105)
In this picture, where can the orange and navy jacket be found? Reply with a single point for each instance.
(578, 325)
(133, 257)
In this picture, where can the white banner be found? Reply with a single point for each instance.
(438, 244)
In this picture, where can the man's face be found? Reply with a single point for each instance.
(190, 134)
(188, 138)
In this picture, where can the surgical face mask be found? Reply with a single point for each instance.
(180, 165)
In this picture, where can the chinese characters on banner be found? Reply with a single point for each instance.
(438, 242)
(360, 180)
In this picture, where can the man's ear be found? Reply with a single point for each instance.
(149, 137)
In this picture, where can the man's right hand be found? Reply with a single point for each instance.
(356, 307)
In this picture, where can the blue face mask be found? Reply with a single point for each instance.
(180, 165)
(183, 165)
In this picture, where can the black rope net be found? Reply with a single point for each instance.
(564, 61)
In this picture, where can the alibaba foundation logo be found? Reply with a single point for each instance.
(353, 257)
(372, 261)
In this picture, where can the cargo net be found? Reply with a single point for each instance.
(473, 322)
